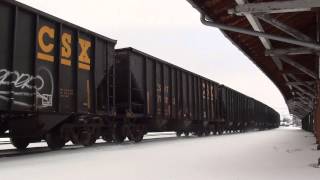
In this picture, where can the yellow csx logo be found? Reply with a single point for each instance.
(46, 49)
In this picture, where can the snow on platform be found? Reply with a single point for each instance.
(284, 153)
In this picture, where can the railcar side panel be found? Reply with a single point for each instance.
(46, 65)
(159, 89)
(22, 69)
(184, 93)
(7, 26)
(111, 76)
(166, 90)
(191, 97)
(150, 88)
(137, 84)
(84, 74)
(48, 69)
(122, 84)
(67, 70)
(173, 93)
(101, 74)
(196, 99)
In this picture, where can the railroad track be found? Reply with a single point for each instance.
(15, 153)
(149, 138)
(4, 142)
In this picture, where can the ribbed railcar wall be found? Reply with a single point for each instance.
(237, 111)
(48, 65)
(308, 122)
(168, 96)
(235, 120)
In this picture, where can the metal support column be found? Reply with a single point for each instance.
(317, 103)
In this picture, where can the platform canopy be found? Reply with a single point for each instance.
(281, 37)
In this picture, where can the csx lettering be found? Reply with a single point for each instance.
(46, 49)
(66, 45)
(85, 45)
(84, 59)
(66, 51)
(50, 32)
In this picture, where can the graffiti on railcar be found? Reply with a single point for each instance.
(20, 85)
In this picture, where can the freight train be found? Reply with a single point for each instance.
(60, 83)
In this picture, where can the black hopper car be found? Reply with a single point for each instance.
(60, 82)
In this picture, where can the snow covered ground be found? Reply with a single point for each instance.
(284, 153)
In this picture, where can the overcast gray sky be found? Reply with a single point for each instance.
(170, 30)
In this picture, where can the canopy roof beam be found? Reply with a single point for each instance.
(259, 34)
(302, 84)
(302, 102)
(298, 113)
(287, 80)
(290, 51)
(301, 111)
(275, 7)
(306, 99)
(298, 66)
(312, 96)
(285, 28)
(256, 25)
(300, 106)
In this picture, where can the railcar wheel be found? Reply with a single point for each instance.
(55, 140)
(107, 138)
(178, 133)
(187, 133)
(87, 138)
(20, 143)
(207, 133)
(200, 133)
(119, 135)
(136, 133)
(139, 138)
